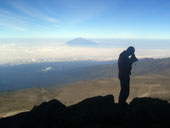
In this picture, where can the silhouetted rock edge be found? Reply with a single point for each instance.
(99, 111)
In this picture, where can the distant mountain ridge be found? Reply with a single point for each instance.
(81, 42)
(35, 75)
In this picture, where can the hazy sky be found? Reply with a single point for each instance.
(38, 29)
(85, 18)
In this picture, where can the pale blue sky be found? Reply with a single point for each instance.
(85, 18)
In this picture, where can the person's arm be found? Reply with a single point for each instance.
(133, 59)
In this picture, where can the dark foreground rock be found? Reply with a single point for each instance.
(95, 112)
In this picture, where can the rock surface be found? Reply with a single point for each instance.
(95, 112)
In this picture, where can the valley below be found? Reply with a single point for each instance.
(155, 86)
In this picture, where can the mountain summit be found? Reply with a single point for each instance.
(81, 42)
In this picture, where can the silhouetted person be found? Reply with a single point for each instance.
(126, 59)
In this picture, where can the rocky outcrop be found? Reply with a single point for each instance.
(95, 112)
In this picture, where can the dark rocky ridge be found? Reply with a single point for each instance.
(95, 112)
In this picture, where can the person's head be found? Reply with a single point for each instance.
(130, 50)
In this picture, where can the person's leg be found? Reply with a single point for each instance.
(126, 88)
(124, 91)
(121, 90)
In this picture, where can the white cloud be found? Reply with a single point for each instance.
(17, 21)
(46, 69)
(9, 20)
(35, 13)
(12, 52)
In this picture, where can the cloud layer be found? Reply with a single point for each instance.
(13, 52)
